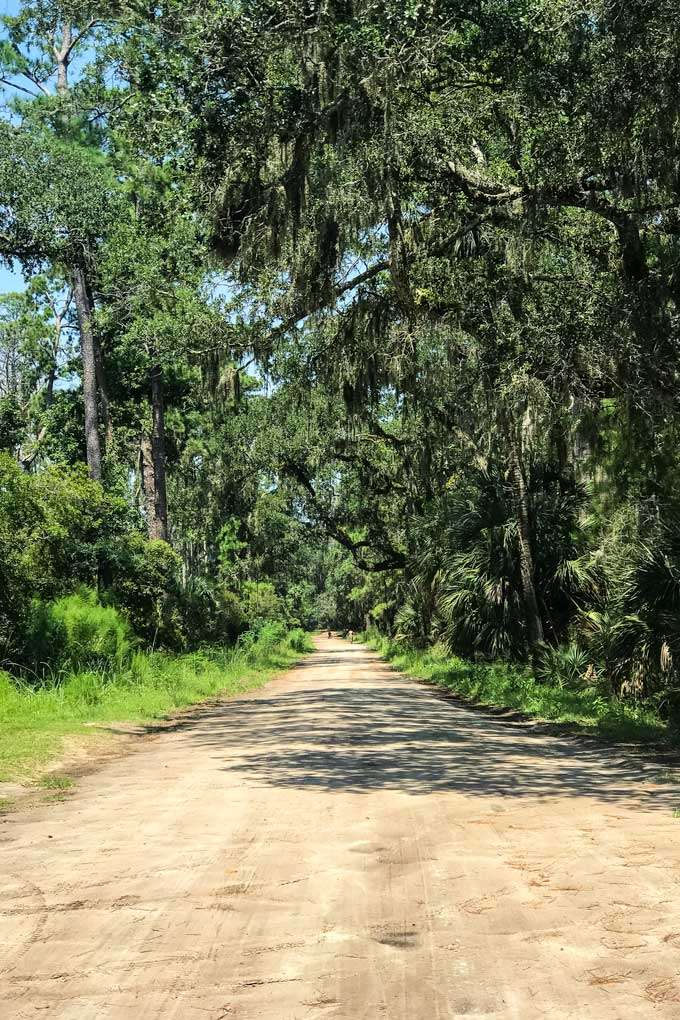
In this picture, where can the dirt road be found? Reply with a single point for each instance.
(345, 844)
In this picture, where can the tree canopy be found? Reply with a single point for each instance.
(367, 311)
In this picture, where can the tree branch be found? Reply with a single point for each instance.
(393, 559)
(439, 248)
(92, 23)
(19, 88)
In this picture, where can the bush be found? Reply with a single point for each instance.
(145, 584)
(297, 640)
(262, 641)
(58, 530)
(261, 604)
(230, 616)
(211, 613)
(565, 666)
(77, 633)
(270, 634)
(17, 515)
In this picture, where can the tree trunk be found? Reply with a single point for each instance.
(526, 559)
(158, 454)
(104, 403)
(148, 483)
(62, 56)
(87, 347)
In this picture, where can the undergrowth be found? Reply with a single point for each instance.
(37, 720)
(503, 685)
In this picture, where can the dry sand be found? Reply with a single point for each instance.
(346, 844)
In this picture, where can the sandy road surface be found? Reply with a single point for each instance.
(345, 844)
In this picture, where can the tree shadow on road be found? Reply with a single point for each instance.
(388, 733)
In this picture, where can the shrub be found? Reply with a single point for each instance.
(17, 513)
(262, 641)
(211, 613)
(77, 633)
(261, 604)
(57, 530)
(144, 577)
(297, 640)
(565, 666)
(232, 621)
(270, 634)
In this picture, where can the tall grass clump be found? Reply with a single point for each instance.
(269, 639)
(77, 633)
(298, 641)
(262, 640)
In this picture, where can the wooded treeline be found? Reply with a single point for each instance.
(369, 309)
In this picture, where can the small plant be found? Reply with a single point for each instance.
(52, 782)
(565, 666)
(8, 694)
(297, 640)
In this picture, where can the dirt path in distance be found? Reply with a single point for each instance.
(344, 844)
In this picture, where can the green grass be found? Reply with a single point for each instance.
(55, 782)
(36, 726)
(504, 685)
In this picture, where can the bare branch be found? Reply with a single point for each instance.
(19, 88)
(92, 23)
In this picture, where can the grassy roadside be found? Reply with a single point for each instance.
(36, 725)
(506, 686)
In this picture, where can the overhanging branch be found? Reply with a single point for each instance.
(392, 559)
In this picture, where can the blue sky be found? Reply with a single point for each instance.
(9, 280)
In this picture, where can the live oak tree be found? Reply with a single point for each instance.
(402, 145)
(389, 287)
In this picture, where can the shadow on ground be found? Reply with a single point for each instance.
(386, 732)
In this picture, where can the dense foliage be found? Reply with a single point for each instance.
(359, 314)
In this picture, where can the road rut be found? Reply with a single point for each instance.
(346, 844)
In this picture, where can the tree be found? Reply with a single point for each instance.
(36, 350)
(386, 298)
(57, 201)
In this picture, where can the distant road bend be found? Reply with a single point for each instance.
(346, 844)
